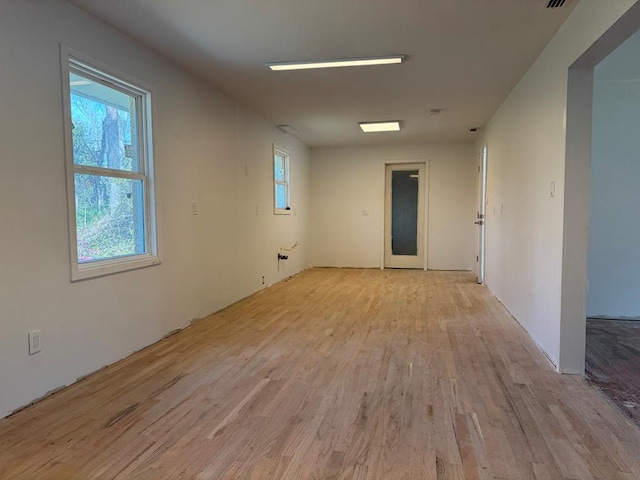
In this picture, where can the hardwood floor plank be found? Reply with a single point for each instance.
(334, 374)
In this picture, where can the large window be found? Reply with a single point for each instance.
(281, 186)
(109, 172)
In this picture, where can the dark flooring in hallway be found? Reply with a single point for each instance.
(613, 362)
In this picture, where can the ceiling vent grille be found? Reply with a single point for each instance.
(288, 129)
(555, 3)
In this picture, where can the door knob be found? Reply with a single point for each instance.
(479, 222)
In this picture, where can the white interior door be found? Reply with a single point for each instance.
(404, 215)
(481, 215)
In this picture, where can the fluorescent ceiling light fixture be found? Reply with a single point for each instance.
(345, 62)
(370, 127)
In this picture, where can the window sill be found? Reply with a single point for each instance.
(108, 267)
(282, 211)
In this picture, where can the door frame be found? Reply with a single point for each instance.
(425, 213)
(481, 213)
(577, 174)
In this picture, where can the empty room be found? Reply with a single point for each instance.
(318, 240)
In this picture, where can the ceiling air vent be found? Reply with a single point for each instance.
(555, 3)
(288, 129)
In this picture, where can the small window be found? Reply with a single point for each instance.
(282, 190)
(109, 169)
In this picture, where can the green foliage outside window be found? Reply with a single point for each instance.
(109, 209)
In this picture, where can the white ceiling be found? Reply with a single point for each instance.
(463, 56)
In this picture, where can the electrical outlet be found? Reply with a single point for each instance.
(257, 210)
(34, 342)
(194, 208)
(263, 279)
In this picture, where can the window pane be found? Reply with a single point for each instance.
(281, 196)
(404, 212)
(279, 167)
(109, 217)
(104, 125)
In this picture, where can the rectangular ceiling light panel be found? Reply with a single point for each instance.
(346, 62)
(371, 127)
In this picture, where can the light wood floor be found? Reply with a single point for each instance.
(342, 374)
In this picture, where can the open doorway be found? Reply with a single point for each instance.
(589, 250)
(579, 114)
(613, 269)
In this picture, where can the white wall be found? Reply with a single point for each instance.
(614, 225)
(347, 180)
(526, 141)
(203, 140)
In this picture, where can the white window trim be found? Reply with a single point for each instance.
(106, 74)
(286, 182)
